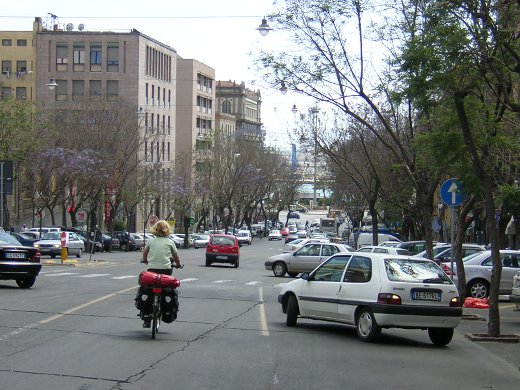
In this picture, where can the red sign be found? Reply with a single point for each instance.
(153, 219)
(63, 239)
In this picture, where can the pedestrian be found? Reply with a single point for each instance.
(24, 228)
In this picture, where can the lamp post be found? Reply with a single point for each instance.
(264, 28)
(314, 111)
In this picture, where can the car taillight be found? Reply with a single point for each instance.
(446, 269)
(455, 302)
(36, 256)
(388, 299)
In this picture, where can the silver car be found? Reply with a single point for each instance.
(478, 268)
(304, 259)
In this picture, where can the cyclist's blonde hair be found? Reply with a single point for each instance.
(161, 229)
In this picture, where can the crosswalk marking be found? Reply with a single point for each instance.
(124, 277)
(63, 274)
(92, 275)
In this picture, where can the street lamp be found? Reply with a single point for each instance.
(264, 28)
(283, 88)
(52, 83)
(314, 111)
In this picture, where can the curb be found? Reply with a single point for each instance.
(504, 338)
(76, 263)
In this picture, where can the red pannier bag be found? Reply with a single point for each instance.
(148, 278)
(476, 303)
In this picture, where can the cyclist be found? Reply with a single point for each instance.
(160, 254)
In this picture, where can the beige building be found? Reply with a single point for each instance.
(120, 69)
(239, 111)
(195, 109)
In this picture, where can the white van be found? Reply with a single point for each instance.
(365, 238)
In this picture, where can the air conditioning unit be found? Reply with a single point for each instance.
(6, 73)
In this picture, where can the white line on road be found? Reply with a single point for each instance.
(189, 280)
(124, 277)
(63, 274)
(264, 330)
(252, 283)
(223, 281)
(91, 275)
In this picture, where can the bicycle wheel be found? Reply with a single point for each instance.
(155, 315)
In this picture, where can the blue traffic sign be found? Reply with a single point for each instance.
(452, 193)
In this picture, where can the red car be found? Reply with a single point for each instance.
(284, 231)
(222, 248)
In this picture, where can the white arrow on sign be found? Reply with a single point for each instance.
(454, 189)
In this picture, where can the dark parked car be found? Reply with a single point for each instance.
(24, 239)
(126, 242)
(109, 243)
(18, 262)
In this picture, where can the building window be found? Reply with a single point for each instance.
(146, 94)
(169, 153)
(94, 88)
(62, 59)
(21, 93)
(145, 150)
(169, 125)
(226, 107)
(61, 90)
(7, 67)
(21, 42)
(78, 89)
(112, 90)
(7, 42)
(21, 68)
(5, 92)
(95, 57)
(79, 57)
(113, 57)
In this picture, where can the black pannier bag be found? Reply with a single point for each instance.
(144, 299)
(169, 305)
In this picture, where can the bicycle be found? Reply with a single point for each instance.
(156, 309)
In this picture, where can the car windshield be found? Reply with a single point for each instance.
(414, 271)
(222, 241)
(8, 239)
(51, 236)
(242, 234)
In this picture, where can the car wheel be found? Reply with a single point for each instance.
(292, 311)
(440, 336)
(208, 262)
(78, 255)
(367, 328)
(292, 274)
(236, 263)
(122, 247)
(478, 289)
(26, 282)
(279, 269)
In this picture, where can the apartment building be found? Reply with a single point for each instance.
(67, 71)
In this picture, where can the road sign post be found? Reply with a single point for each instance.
(452, 195)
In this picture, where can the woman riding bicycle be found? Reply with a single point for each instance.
(160, 254)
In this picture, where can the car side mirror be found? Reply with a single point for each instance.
(305, 276)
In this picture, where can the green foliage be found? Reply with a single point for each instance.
(119, 224)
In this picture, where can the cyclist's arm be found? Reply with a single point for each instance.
(175, 259)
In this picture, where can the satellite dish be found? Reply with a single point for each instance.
(69, 27)
(81, 27)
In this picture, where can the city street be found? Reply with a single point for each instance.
(77, 328)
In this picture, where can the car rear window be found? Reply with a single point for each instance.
(414, 271)
(223, 241)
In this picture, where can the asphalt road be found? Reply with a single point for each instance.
(77, 329)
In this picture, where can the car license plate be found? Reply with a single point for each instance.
(221, 257)
(419, 295)
(15, 255)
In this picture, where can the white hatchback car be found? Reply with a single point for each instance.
(374, 291)
(384, 249)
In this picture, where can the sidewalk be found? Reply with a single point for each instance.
(475, 323)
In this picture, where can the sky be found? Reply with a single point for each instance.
(222, 34)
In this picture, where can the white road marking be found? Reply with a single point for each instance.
(63, 274)
(280, 284)
(264, 330)
(124, 277)
(92, 275)
(223, 281)
(252, 283)
(189, 280)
